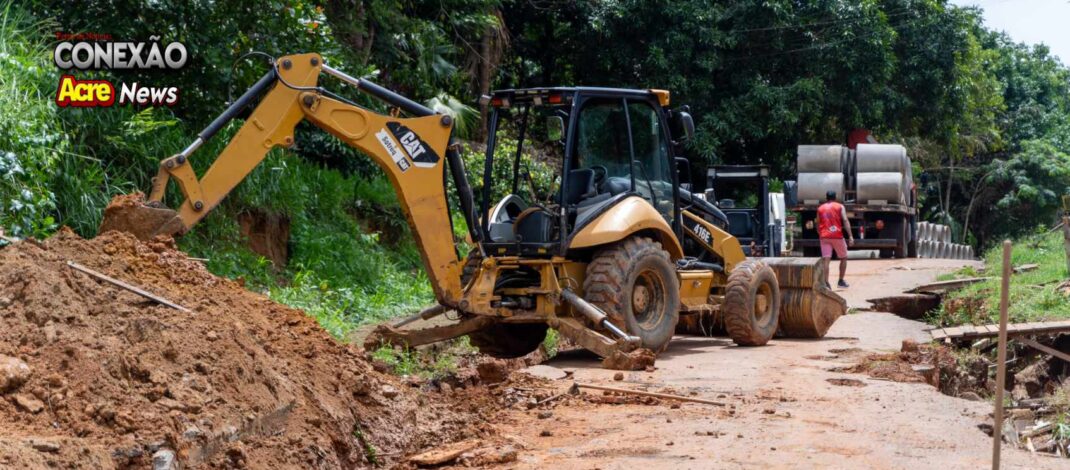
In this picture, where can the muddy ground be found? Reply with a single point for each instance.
(94, 376)
(794, 407)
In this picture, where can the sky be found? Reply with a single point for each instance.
(1030, 21)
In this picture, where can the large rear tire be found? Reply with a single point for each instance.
(634, 282)
(751, 303)
(502, 340)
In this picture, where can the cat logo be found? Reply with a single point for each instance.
(421, 154)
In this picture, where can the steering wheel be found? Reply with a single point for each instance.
(600, 174)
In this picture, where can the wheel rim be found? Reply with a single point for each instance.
(648, 299)
(763, 303)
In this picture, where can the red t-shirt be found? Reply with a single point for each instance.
(830, 220)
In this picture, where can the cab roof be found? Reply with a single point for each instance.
(565, 95)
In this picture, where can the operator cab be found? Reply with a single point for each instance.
(557, 158)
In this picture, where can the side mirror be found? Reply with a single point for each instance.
(687, 124)
(555, 128)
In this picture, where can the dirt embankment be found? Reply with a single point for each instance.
(93, 376)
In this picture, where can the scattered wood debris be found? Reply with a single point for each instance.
(1013, 329)
(444, 454)
(137, 290)
(1026, 268)
(651, 394)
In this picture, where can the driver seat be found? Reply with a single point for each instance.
(580, 186)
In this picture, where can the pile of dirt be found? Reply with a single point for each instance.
(94, 376)
(923, 363)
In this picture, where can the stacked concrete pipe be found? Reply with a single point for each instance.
(934, 241)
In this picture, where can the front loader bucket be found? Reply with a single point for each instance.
(129, 213)
(808, 307)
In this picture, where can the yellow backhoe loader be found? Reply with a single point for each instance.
(611, 259)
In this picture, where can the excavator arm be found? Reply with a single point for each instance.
(413, 152)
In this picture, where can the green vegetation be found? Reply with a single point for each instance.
(431, 364)
(986, 119)
(550, 343)
(1034, 296)
(370, 452)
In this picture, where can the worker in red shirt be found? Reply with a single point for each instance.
(832, 224)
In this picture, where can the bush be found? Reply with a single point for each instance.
(31, 140)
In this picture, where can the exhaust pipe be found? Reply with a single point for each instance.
(597, 317)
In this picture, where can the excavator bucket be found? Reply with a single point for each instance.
(129, 213)
(808, 307)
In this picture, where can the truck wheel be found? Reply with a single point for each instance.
(901, 249)
(508, 340)
(751, 303)
(635, 284)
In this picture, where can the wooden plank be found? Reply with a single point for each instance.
(1039, 326)
(992, 329)
(938, 334)
(944, 286)
(1026, 268)
(650, 394)
(969, 330)
(953, 332)
(1042, 348)
(137, 290)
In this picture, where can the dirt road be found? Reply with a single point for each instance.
(788, 414)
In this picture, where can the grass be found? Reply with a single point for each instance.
(427, 363)
(1034, 295)
(340, 271)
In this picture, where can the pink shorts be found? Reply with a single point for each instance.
(837, 244)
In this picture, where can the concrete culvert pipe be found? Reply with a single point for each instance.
(969, 252)
(938, 234)
(880, 187)
(820, 159)
(880, 158)
(813, 186)
(941, 250)
(923, 249)
(924, 231)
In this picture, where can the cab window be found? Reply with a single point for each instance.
(653, 174)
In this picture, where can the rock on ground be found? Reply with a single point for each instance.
(13, 373)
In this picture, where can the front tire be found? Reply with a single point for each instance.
(634, 282)
(751, 303)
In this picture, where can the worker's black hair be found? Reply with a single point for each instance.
(830, 196)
